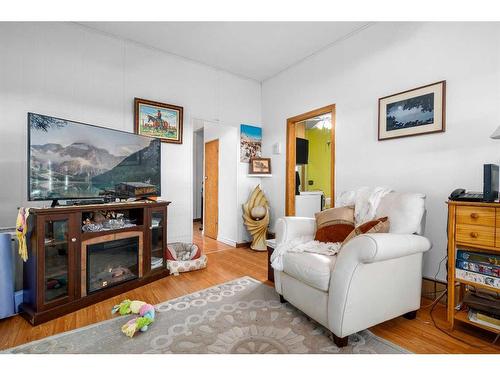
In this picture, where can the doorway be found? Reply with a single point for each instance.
(198, 176)
(211, 190)
(317, 129)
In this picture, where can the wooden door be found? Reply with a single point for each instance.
(211, 189)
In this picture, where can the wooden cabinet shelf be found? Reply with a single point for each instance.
(463, 317)
(475, 227)
(88, 235)
(477, 285)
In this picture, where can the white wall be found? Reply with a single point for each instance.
(68, 71)
(384, 59)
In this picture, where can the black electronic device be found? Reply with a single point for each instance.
(301, 151)
(83, 202)
(462, 195)
(69, 160)
(297, 183)
(490, 182)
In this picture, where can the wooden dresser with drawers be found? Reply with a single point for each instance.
(474, 226)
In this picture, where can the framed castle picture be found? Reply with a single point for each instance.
(260, 166)
(159, 120)
(413, 112)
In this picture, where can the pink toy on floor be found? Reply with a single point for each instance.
(142, 322)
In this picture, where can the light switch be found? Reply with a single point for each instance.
(277, 148)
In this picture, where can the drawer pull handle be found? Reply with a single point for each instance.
(474, 234)
(474, 215)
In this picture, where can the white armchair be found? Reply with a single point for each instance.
(374, 278)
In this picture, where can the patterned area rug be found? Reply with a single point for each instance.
(240, 316)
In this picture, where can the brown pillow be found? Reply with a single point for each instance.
(380, 225)
(334, 224)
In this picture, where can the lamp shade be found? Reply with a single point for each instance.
(496, 134)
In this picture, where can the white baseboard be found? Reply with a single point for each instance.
(227, 242)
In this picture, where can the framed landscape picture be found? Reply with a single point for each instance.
(413, 112)
(159, 120)
(260, 166)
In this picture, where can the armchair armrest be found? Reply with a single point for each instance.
(292, 227)
(380, 273)
(377, 247)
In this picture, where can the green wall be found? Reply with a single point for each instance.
(318, 168)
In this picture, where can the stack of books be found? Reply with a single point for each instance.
(483, 269)
(480, 268)
(485, 319)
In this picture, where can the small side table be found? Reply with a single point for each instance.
(271, 245)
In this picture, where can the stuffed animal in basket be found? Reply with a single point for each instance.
(142, 322)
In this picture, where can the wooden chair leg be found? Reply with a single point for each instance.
(282, 299)
(410, 315)
(340, 341)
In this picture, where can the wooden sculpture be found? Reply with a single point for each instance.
(256, 218)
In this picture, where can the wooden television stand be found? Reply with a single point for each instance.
(69, 268)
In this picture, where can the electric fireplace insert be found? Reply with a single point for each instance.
(111, 263)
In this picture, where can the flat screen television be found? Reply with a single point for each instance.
(301, 151)
(72, 160)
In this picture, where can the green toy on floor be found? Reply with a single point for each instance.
(142, 322)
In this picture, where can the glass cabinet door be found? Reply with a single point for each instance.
(157, 231)
(56, 259)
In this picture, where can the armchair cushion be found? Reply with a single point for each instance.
(312, 269)
(291, 227)
(405, 211)
(334, 224)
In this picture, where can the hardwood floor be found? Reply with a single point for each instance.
(226, 263)
(207, 244)
(421, 336)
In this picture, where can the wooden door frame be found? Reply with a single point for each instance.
(204, 186)
(291, 154)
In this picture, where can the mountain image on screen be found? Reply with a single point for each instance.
(74, 160)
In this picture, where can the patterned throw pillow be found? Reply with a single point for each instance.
(380, 225)
(334, 224)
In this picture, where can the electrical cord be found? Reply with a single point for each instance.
(453, 336)
(434, 303)
(443, 293)
(434, 278)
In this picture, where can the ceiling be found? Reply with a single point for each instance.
(256, 50)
